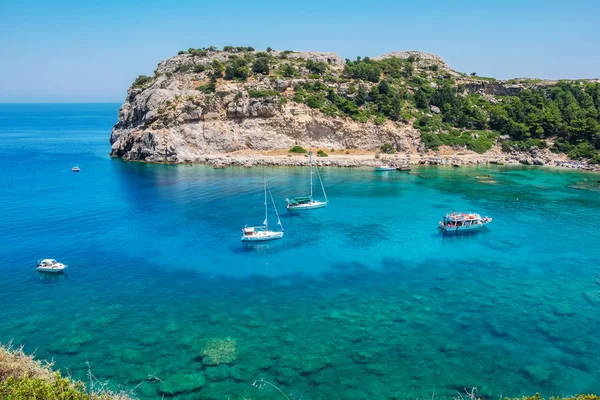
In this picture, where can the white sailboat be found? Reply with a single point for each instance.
(262, 233)
(308, 202)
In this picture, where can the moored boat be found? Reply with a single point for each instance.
(50, 265)
(308, 202)
(75, 169)
(386, 167)
(458, 222)
(262, 233)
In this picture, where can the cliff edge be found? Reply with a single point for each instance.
(209, 101)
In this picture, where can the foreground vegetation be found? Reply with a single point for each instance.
(442, 104)
(23, 377)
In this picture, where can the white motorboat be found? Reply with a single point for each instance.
(50, 265)
(458, 222)
(75, 169)
(262, 233)
(386, 167)
(308, 202)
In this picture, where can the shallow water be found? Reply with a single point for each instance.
(362, 299)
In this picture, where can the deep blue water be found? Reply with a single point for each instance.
(362, 299)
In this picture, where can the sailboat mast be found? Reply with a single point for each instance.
(266, 213)
(311, 178)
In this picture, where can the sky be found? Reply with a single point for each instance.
(91, 51)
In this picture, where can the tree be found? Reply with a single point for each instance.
(473, 73)
(237, 68)
(261, 66)
(316, 67)
(396, 108)
(384, 87)
(361, 96)
(217, 68)
(269, 50)
(288, 71)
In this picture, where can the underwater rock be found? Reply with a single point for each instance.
(284, 375)
(312, 365)
(67, 346)
(241, 373)
(537, 374)
(130, 356)
(217, 374)
(593, 297)
(561, 310)
(495, 329)
(177, 384)
(219, 351)
(364, 357)
(171, 327)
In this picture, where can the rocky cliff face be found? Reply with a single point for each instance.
(166, 119)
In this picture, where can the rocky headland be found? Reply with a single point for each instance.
(239, 106)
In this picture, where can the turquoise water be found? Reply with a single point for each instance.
(362, 299)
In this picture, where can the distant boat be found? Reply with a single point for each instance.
(50, 265)
(308, 202)
(386, 167)
(75, 169)
(262, 233)
(456, 222)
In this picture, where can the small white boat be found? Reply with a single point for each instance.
(50, 265)
(308, 202)
(386, 167)
(262, 233)
(75, 169)
(458, 222)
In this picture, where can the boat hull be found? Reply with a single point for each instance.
(51, 270)
(262, 236)
(385, 169)
(464, 228)
(306, 206)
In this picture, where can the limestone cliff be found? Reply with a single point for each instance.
(201, 102)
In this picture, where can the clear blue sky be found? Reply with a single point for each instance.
(92, 50)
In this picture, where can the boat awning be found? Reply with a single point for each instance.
(304, 199)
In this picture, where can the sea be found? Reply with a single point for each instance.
(363, 299)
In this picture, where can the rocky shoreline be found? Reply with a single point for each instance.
(252, 159)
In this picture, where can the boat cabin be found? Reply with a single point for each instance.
(301, 200)
(461, 219)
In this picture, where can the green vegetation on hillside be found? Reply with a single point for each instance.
(425, 94)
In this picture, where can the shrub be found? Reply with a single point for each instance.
(181, 52)
(199, 68)
(141, 81)
(257, 94)
(237, 68)
(582, 150)
(261, 66)
(318, 68)
(288, 70)
(387, 148)
(297, 150)
(379, 120)
(23, 377)
(208, 88)
(184, 68)
(321, 153)
(431, 140)
(595, 159)
(315, 101)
